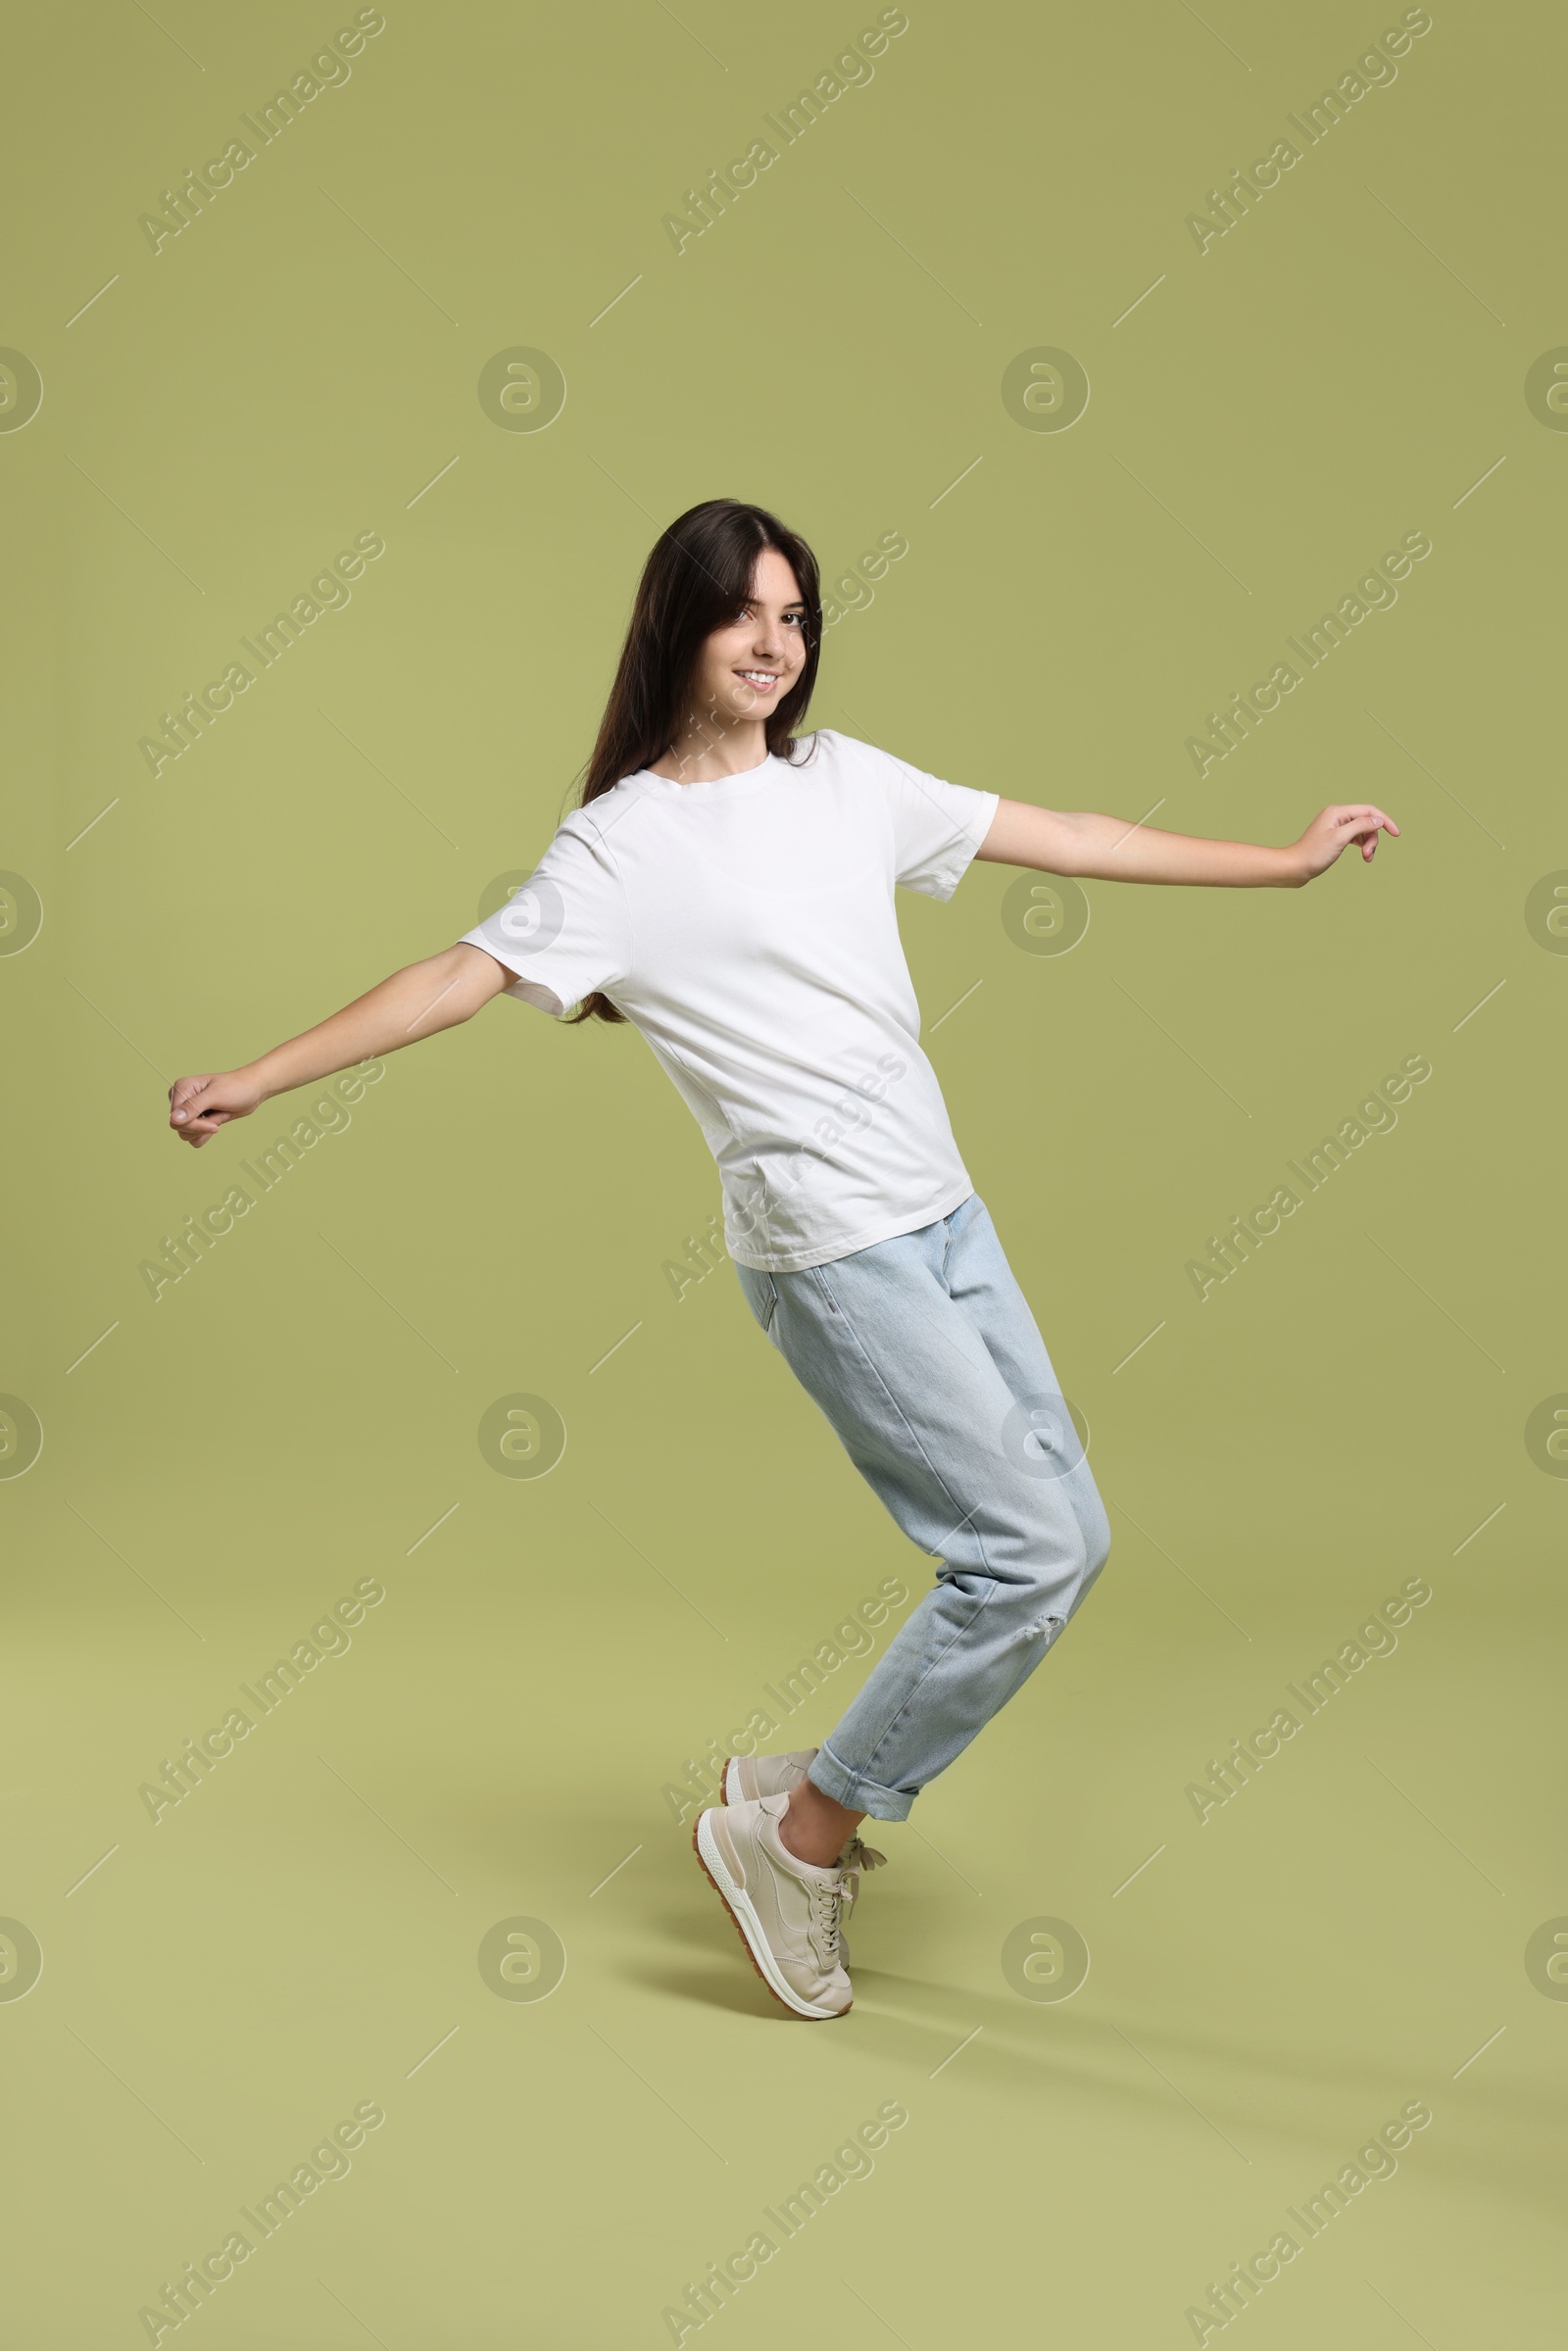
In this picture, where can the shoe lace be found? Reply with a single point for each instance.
(828, 1901)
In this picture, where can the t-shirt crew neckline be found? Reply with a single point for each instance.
(749, 779)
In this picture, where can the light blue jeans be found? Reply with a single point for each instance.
(924, 1355)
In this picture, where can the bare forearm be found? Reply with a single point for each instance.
(417, 1002)
(1116, 849)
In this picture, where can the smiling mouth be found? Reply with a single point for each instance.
(762, 681)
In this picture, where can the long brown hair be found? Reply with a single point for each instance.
(696, 578)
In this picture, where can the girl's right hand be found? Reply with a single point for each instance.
(199, 1106)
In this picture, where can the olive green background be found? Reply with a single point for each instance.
(300, 365)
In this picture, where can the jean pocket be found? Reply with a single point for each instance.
(817, 1275)
(761, 1295)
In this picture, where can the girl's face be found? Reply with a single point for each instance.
(746, 667)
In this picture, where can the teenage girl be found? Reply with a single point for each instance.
(728, 886)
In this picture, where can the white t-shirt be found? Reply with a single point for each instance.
(746, 927)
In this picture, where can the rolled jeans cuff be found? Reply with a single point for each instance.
(854, 1792)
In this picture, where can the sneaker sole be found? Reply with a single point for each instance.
(749, 1926)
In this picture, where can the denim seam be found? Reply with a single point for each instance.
(916, 1687)
(940, 1481)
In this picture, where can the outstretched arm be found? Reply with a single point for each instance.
(1114, 849)
(416, 1002)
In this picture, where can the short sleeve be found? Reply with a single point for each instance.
(937, 826)
(564, 932)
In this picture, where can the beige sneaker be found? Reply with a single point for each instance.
(745, 1778)
(789, 1912)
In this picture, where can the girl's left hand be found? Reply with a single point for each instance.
(1334, 830)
